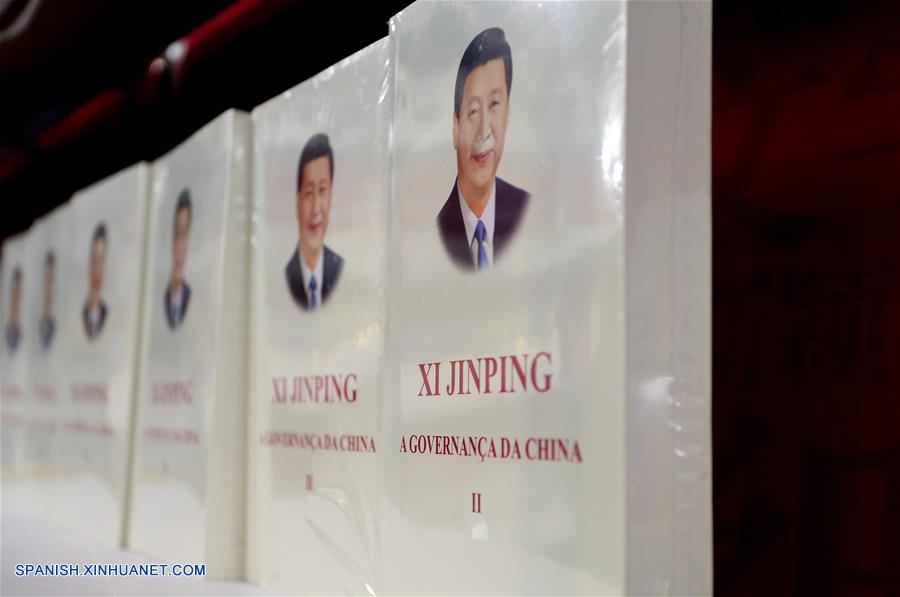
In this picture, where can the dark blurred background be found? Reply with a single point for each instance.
(806, 297)
(806, 228)
(88, 87)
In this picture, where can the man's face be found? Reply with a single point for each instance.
(180, 242)
(480, 128)
(314, 203)
(98, 264)
(48, 287)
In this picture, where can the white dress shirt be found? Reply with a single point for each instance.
(94, 319)
(176, 303)
(471, 220)
(317, 271)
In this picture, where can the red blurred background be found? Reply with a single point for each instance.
(806, 315)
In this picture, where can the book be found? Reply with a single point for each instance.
(547, 428)
(188, 482)
(105, 224)
(47, 327)
(317, 334)
(15, 363)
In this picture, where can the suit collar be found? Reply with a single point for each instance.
(317, 271)
(453, 230)
(470, 220)
(511, 203)
(295, 278)
(331, 269)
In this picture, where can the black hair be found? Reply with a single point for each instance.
(99, 234)
(17, 274)
(317, 147)
(183, 202)
(488, 45)
(50, 259)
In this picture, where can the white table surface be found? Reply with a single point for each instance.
(27, 538)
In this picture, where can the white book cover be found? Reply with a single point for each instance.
(518, 416)
(105, 224)
(47, 268)
(15, 365)
(188, 482)
(317, 333)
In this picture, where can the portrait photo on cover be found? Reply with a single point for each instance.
(177, 296)
(314, 269)
(483, 211)
(94, 312)
(13, 331)
(47, 324)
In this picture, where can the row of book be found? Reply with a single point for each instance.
(416, 325)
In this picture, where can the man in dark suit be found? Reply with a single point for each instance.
(13, 331)
(483, 211)
(178, 293)
(313, 270)
(47, 325)
(94, 311)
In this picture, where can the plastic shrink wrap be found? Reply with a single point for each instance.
(15, 365)
(317, 334)
(105, 226)
(188, 477)
(547, 422)
(47, 327)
